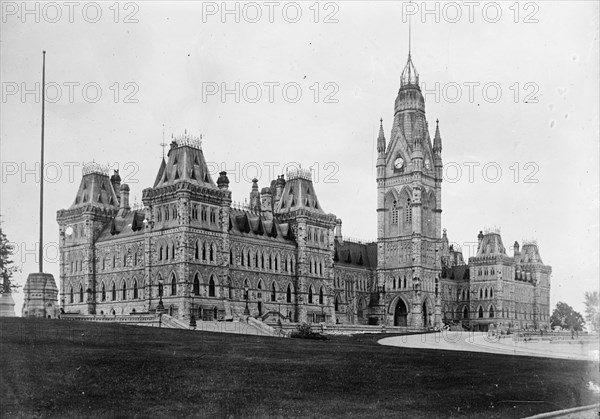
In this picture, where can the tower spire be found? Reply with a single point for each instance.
(381, 138)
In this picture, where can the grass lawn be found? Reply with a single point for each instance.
(54, 368)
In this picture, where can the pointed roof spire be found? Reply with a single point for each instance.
(381, 138)
(409, 74)
(437, 140)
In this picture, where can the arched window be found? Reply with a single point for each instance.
(270, 262)
(310, 295)
(276, 263)
(160, 289)
(230, 257)
(408, 214)
(160, 253)
(321, 268)
(135, 289)
(173, 251)
(212, 252)
(256, 260)
(124, 291)
(114, 292)
(167, 252)
(288, 294)
(246, 289)
(203, 251)
(173, 285)
(260, 288)
(394, 283)
(465, 313)
(310, 266)
(196, 250)
(80, 293)
(491, 293)
(486, 293)
(273, 292)
(321, 295)
(125, 260)
(404, 282)
(480, 312)
(262, 261)
(394, 217)
(491, 311)
(242, 258)
(196, 285)
(336, 304)
(480, 293)
(211, 287)
(229, 288)
(103, 292)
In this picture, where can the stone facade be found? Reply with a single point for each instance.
(282, 257)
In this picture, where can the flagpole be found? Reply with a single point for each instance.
(41, 242)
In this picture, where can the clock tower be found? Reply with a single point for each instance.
(409, 180)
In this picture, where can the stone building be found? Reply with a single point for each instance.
(282, 257)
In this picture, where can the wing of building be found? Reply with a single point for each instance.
(282, 257)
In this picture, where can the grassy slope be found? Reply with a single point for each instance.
(72, 369)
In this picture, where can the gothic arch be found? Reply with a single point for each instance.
(196, 283)
(102, 291)
(212, 286)
(289, 297)
(173, 283)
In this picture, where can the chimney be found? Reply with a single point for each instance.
(266, 203)
(115, 181)
(223, 181)
(338, 231)
(124, 200)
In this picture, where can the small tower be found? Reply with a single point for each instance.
(254, 196)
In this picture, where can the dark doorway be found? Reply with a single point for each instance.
(400, 314)
(260, 309)
(425, 315)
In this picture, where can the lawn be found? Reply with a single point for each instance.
(54, 368)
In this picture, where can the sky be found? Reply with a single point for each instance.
(274, 85)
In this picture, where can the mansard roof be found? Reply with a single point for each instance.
(185, 163)
(491, 245)
(130, 223)
(530, 254)
(298, 193)
(95, 188)
(246, 223)
(358, 254)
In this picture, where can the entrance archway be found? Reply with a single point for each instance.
(400, 314)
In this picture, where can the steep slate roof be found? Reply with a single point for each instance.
(185, 163)
(250, 224)
(491, 245)
(299, 193)
(95, 189)
(131, 223)
(530, 254)
(358, 254)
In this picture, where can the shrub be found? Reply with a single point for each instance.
(304, 331)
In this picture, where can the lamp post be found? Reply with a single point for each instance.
(247, 309)
(192, 317)
(160, 309)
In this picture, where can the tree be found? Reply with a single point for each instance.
(592, 309)
(6, 268)
(565, 317)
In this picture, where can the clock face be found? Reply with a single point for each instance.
(427, 164)
(69, 230)
(399, 163)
